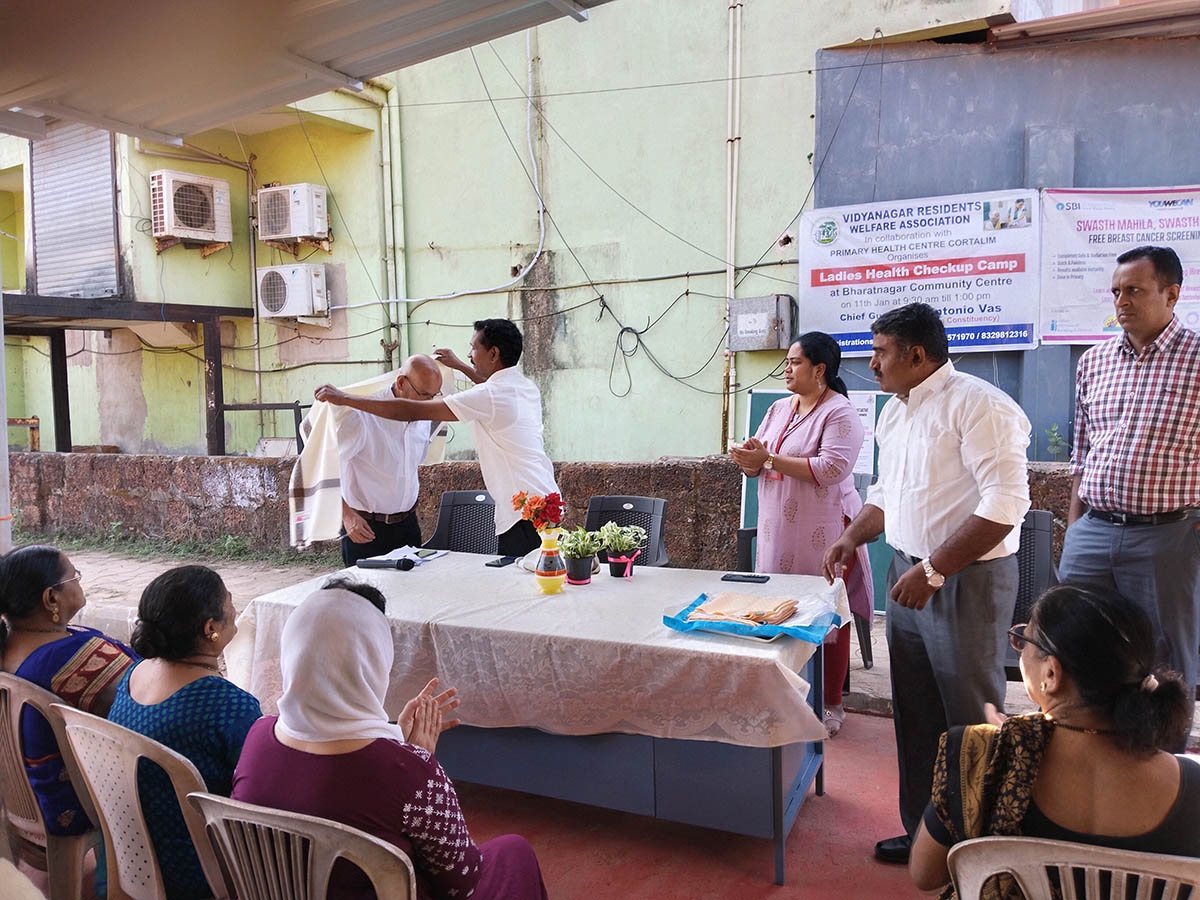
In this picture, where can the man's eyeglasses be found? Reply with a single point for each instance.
(1018, 640)
(78, 576)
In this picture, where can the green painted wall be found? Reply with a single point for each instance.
(631, 151)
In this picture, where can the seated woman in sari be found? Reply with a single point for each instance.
(40, 593)
(177, 697)
(331, 752)
(1088, 767)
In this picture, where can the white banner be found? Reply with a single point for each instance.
(973, 257)
(1086, 230)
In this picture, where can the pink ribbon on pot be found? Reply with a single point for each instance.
(629, 564)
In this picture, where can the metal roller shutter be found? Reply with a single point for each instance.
(74, 224)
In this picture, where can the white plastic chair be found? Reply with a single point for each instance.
(271, 854)
(64, 853)
(107, 755)
(1078, 869)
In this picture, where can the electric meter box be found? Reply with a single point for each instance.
(761, 323)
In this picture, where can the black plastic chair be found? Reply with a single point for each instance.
(1035, 561)
(745, 563)
(466, 523)
(648, 512)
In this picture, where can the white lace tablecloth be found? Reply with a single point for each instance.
(592, 659)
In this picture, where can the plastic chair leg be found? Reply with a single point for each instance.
(64, 864)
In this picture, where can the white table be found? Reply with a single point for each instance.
(658, 706)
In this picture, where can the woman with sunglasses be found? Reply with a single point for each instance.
(1089, 767)
(40, 592)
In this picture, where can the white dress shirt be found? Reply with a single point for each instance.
(378, 458)
(505, 414)
(955, 448)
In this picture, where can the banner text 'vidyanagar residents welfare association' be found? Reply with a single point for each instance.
(972, 257)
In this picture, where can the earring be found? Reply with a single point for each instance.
(54, 616)
(1043, 687)
(216, 637)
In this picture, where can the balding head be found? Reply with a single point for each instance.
(423, 377)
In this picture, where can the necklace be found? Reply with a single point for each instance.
(1081, 729)
(203, 665)
(62, 630)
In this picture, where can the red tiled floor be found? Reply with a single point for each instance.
(603, 855)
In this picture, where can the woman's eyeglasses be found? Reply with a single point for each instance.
(78, 576)
(1018, 639)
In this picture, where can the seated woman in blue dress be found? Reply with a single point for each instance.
(40, 593)
(177, 696)
(1089, 767)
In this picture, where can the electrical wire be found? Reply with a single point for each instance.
(534, 180)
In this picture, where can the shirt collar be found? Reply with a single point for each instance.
(1166, 340)
(505, 373)
(931, 385)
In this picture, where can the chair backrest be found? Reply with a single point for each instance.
(107, 755)
(272, 854)
(1077, 871)
(648, 512)
(19, 800)
(466, 523)
(1035, 563)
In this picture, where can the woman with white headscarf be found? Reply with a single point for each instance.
(331, 752)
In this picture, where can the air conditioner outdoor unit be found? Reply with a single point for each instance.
(292, 211)
(190, 207)
(296, 290)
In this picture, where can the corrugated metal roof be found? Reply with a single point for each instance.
(164, 69)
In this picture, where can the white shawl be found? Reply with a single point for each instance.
(336, 659)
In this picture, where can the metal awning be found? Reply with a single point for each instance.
(163, 70)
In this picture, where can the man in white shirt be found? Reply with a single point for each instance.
(504, 410)
(952, 491)
(378, 460)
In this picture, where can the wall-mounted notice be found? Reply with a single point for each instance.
(973, 257)
(1085, 232)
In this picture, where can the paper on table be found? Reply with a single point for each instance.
(407, 552)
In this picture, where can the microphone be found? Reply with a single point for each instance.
(403, 564)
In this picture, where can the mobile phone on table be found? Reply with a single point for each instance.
(425, 554)
(501, 562)
(746, 576)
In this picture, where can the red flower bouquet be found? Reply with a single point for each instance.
(544, 512)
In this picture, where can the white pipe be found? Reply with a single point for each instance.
(537, 190)
(5, 498)
(396, 211)
(733, 109)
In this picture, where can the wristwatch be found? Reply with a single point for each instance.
(935, 578)
(769, 462)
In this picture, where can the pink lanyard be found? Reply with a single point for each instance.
(798, 422)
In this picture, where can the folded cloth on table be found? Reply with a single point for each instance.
(744, 608)
(815, 613)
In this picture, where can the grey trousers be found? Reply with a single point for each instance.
(1155, 566)
(947, 662)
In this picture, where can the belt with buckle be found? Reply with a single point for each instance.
(386, 518)
(1120, 518)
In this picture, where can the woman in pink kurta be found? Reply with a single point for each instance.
(803, 455)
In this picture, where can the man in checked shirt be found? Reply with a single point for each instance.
(1135, 467)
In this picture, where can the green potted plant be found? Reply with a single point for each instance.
(579, 548)
(622, 544)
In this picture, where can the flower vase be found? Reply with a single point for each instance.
(550, 570)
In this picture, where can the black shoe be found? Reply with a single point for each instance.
(894, 850)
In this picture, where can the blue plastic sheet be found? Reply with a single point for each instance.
(814, 632)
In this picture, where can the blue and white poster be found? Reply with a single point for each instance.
(973, 257)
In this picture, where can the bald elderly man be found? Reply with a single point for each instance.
(378, 459)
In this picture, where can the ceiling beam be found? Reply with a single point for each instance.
(103, 122)
(22, 125)
(570, 8)
(332, 77)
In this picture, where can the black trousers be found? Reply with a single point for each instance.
(387, 539)
(519, 539)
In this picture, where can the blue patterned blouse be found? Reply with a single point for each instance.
(206, 721)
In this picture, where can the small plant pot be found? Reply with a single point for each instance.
(621, 566)
(579, 571)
